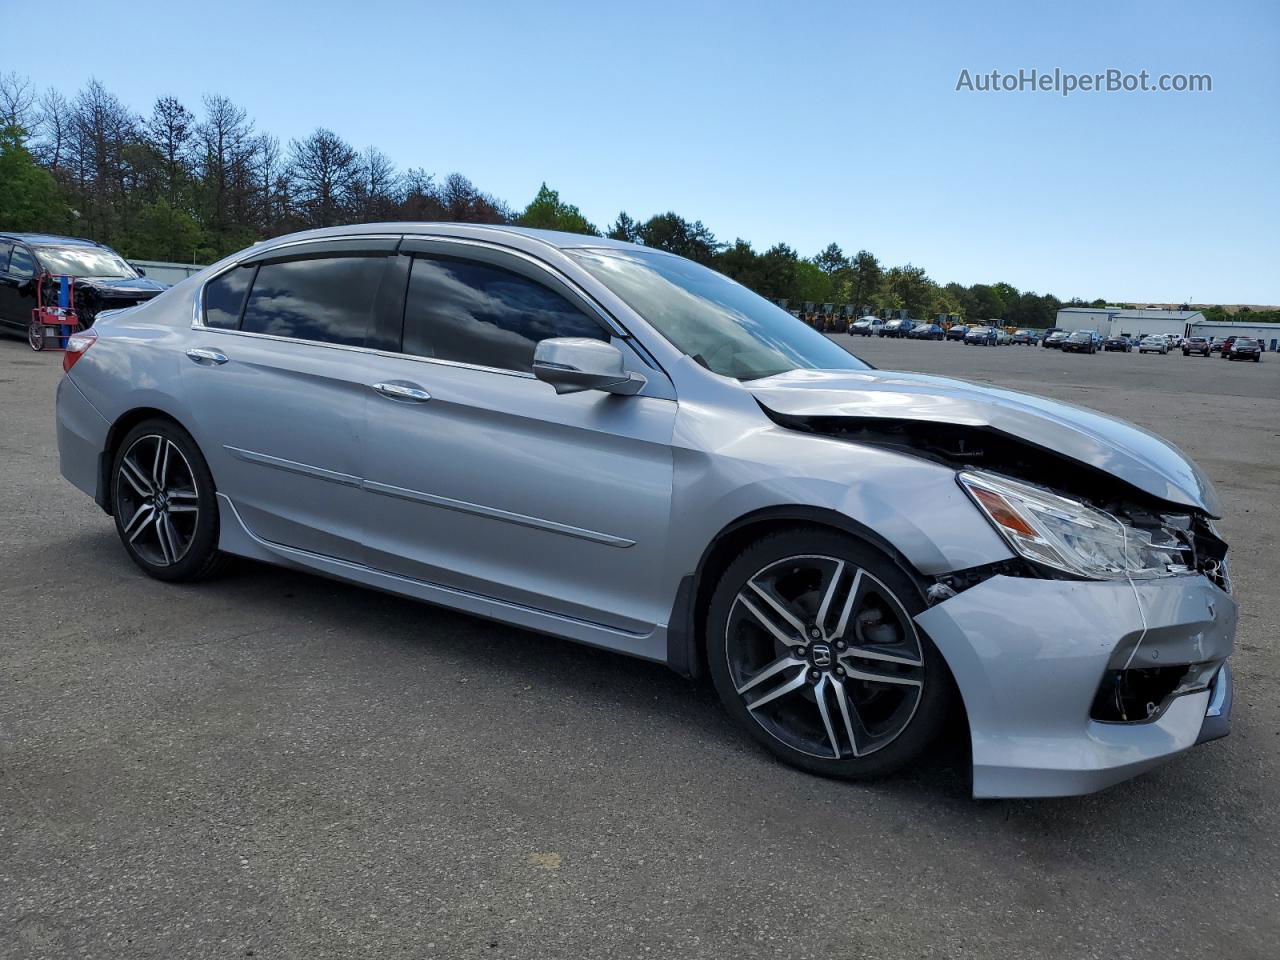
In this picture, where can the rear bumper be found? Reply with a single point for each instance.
(1029, 655)
(82, 436)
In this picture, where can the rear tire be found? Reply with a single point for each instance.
(165, 504)
(812, 647)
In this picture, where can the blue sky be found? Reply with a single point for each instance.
(804, 123)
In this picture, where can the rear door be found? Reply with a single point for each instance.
(483, 479)
(277, 379)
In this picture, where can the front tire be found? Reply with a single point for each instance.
(164, 502)
(813, 648)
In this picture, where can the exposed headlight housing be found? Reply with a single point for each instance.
(1072, 536)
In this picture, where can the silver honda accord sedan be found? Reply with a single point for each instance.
(616, 445)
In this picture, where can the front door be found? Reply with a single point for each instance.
(481, 478)
(17, 285)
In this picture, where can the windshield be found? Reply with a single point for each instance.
(83, 262)
(1244, 342)
(719, 323)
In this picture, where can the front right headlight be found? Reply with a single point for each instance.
(1072, 536)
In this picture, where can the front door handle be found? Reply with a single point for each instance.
(201, 355)
(402, 391)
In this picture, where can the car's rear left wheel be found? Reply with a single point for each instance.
(813, 648)
(164, 502)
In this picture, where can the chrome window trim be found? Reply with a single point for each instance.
(611, 325)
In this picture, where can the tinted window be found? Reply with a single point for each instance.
(329, 300)
(22, 264)
(224, 296)
(5, 248)
(472, 312)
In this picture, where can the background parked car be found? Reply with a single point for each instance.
(1027, 338)
(984, 336)
(1003, 337)
(1154, 344)
(896, 328)
(927, 331)
(1117, 345)
(104, 281)
(864, 326)
(957, 332)
(1082, 341)
(1242, 348)
(1055, 339)
(1198, 345)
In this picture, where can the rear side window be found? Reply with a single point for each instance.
(224, 296)
(477, 313)
(5, 249)
(329, 299)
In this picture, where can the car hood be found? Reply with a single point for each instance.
(1135, 456)
(139, 288)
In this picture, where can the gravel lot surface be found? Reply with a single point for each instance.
(278, 766)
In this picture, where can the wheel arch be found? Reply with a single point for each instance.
(116, 433)
(686, 653)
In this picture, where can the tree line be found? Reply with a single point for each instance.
(188, 185)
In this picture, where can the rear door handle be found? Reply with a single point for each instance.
(201, 355)
(402, 391)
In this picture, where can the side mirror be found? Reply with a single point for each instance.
(141, 272)
(573, 364)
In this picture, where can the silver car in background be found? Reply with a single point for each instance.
(615, 445)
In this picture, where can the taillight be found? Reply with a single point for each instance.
(77, 345)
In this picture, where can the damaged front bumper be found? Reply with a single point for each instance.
(1032, 657)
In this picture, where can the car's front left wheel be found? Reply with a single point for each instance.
(812, 646)
(165, 507)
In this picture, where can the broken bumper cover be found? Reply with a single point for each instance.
(1028, 656)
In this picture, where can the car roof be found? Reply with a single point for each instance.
(50, 240)
(553, 238)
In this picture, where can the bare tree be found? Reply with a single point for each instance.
(376, 190)
(324, 170)
(17, 102)
(53, 130)
(169, 131)
(461, 201)
(102, 129)
(223, 141)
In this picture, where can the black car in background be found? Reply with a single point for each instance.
(1198, 345)
(1082, 341)
(1054, 340)
(957, 332)
(1242, 348)
(927, 331)
(983, 336)
(896, 328)
(104, 281)
(1117, 345)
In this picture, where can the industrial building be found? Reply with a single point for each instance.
(1115, 321)
(1268, 334)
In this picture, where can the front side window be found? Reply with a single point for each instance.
(329, 300)
(21, 263)
(477, 313)
(715, 321)
(84, 262)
